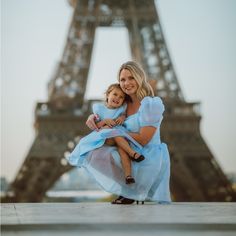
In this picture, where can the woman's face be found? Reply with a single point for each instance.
(127, 82)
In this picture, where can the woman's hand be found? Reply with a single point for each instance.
(91, 122)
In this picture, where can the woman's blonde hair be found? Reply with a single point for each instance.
(144, 88)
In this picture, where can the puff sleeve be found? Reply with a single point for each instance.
(97, 108)
(151, 111)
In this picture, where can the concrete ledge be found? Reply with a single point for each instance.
(105, 218)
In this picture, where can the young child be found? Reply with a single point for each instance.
(111, 116)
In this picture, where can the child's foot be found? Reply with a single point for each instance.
(129, 179)
(137, 157)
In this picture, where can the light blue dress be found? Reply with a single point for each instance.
(151, 175)
(96, 139)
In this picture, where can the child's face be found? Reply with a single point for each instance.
(115, 98)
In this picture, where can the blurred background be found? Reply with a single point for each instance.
(200, 35)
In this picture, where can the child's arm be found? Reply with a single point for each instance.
(109, 122)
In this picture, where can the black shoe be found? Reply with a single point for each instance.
(117, 199)
(124, 201)
(129, 179)
(139, 159)
(141, 202)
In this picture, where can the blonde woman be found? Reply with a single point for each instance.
(144, 114)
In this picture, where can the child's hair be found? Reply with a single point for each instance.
(111, 87)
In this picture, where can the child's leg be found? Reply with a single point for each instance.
(126, 164)
(123, 143)
(125, 161)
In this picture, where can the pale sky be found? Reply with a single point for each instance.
(200, 35)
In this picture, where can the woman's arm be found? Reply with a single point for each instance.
(145, 135)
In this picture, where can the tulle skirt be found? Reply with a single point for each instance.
(151, 175)
(95, 140)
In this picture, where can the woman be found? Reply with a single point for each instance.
(144, 116)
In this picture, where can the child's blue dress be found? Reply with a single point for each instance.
(96, 139)
(151, 175)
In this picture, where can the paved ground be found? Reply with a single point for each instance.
(105, 219)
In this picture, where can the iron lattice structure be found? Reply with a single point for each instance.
(195, 174)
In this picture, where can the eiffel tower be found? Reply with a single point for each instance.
(195, 174)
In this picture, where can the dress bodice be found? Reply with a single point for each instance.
(107, 113)
(131, 123)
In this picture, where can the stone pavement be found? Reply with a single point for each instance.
(24, 219)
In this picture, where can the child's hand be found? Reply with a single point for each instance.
(120, 120)
(110, 122)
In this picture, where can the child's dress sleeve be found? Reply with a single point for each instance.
(98, 109)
